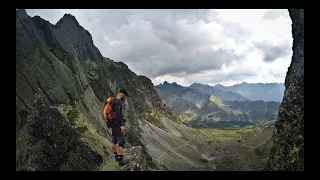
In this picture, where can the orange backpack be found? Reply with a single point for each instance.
(108, 112)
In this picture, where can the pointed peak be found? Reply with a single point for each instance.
(68, 19)
(219, 85)
(21, 13)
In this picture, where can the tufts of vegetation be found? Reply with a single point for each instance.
(110, 165)
(174, 118)
(89, 133)
(91, 70)
(107, 60)
(215, 100)
(150, 117)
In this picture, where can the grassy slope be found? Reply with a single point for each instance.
(229, 154)
(178, 147)
(216, 100)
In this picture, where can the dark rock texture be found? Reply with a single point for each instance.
(287, 152)
(61, 62)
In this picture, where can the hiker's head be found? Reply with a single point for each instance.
(122, 94)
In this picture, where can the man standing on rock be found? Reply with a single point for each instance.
(118, 127)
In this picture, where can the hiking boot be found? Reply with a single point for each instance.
(116, 157)
(121, 161)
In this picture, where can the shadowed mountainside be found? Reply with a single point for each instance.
(288, 147)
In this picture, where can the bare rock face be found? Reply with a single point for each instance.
(288, 150)
(135, 158)
(51, 142)
(62, 127)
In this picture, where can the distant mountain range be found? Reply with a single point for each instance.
(179, 98)
(221, 93)
(205, 106)
(214, 110)
(257, 91)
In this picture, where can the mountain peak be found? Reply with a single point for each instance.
(67, 19)
(21, 13)
(219, 85)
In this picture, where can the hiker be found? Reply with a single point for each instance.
(117, 124)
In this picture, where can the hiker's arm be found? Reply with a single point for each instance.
(122, 120)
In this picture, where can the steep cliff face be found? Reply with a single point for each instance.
(287, 152)
(62, 81)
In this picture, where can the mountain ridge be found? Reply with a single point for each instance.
(273, 91)
(203, 110)
(257, 91)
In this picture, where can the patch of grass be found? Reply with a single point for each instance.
(154, 120)
(110, 165)
(90, 134)
(230, 133)
(215, 100)
(92, 74)
(107, 60)
(185, 117)
(22, 141)
(91, 70)
(174, 118)
(249, 154)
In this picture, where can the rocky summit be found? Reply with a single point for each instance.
(62, 82)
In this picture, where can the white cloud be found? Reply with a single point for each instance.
(187, 46)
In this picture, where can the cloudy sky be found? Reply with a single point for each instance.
(188, 46)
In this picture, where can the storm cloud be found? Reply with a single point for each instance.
(272, 52)
(182, 43)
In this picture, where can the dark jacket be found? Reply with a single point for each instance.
(119, 120)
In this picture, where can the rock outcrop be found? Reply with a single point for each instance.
(287, 152)
(136, 160)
